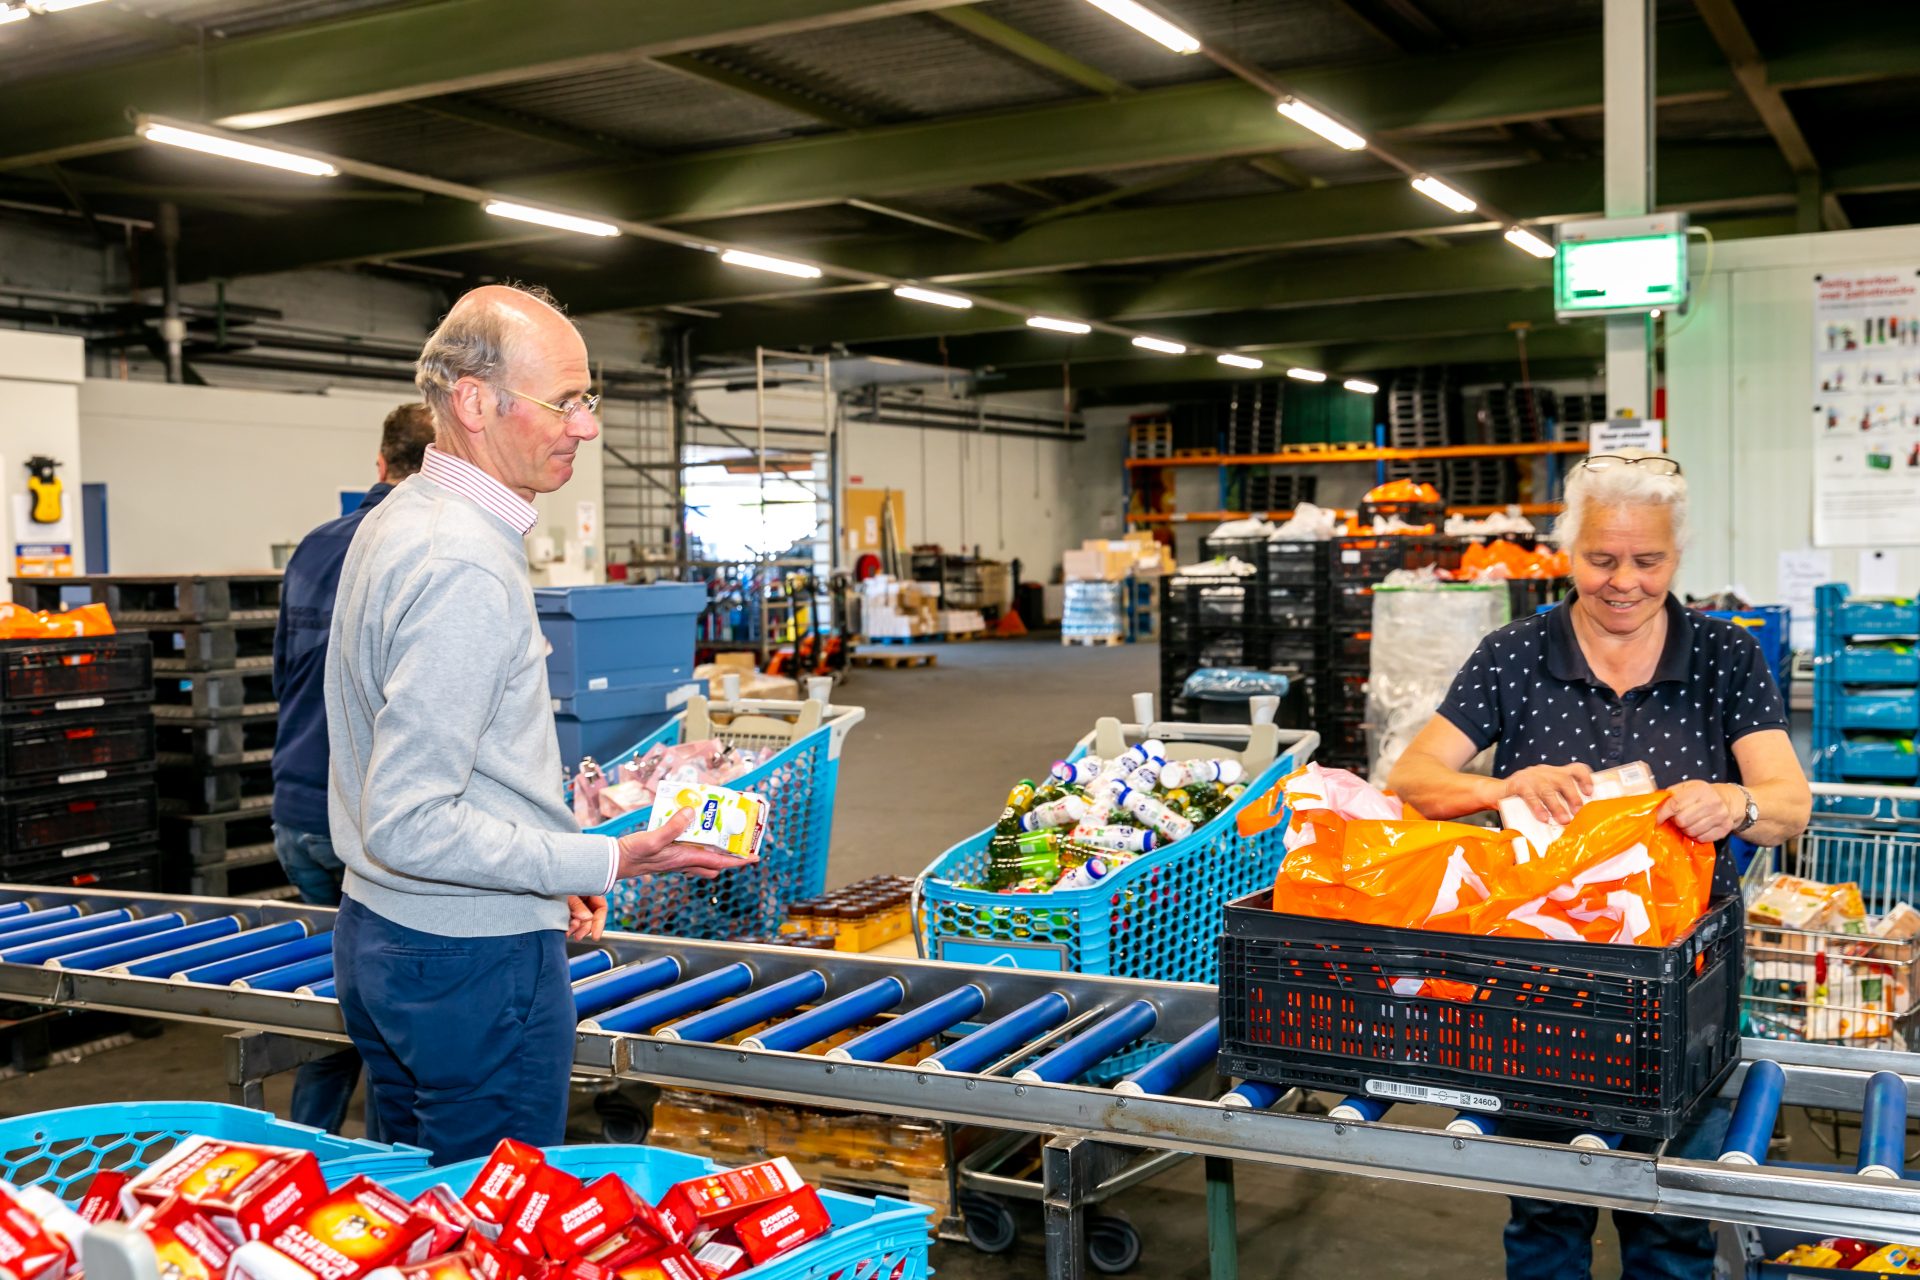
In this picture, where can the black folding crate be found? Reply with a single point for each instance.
(205, 838)
(219, 742)
(1251, 549)
(170, 598)
(1526, 595)
(132, 869)
(1350, 604)
(75, 674)
(1351, 650)
(1195, 608)
(1367, 558)
(1615, 1038)
(201, 695)
(71, 822)
(42, 748)
(1298, 562)
(213, 646)
(1290, 607)
(221, 790)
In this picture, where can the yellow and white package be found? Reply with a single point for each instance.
(730, 821)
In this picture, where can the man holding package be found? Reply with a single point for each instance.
(465, 872)
(1619, 673)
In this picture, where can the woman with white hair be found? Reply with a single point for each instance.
(1620, 671)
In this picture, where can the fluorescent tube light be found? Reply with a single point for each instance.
(1161, 345)
(763, 262)
(1148, 23)
(1317, 121)
(13, 15)
(1057, 325)
(1434, 189)
(548, 218)
(914, 293)
(1241, 362)
(214, 145)
(1521, 238)
(1306, 375)
(1364, 387)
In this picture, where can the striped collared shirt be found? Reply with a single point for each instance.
(482, 489)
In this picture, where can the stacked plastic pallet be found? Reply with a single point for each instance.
(1578, 413)
(1423, 412)
(1253, 418)
(1280, 490)
(1513, 415)
(1866, 688)
(76, 763)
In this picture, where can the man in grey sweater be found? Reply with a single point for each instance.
(465, 873)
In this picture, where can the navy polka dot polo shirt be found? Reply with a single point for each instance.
(1529, 689)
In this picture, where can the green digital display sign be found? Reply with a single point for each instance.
(1617, 275)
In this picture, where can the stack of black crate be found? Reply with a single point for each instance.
(77, 805)
(1209, 621)
(215, 722)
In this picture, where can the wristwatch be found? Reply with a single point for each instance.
(1753, 811)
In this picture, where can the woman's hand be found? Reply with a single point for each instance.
(1552, 791)
(1706, 811)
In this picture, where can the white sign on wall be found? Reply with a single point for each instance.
(1616, 434)
(1866, 407)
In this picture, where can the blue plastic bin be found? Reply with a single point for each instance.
(1881, 710)
(1769, 625)
(1867, 760)
(1877, 662)
(1868, 617)
(618, 636)
(600, 723)
(62, 1150)
(878, 1239)
(799, 781)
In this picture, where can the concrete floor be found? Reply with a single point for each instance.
(931, 764)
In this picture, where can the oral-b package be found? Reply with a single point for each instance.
(730, 821)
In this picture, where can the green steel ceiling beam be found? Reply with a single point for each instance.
(387, 56)
(1040, 54)
(814, 106)
(522, 125)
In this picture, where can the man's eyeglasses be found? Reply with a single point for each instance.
(566, 408)
(1655, 464)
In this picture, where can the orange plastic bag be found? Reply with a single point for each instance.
(1504, 558)
(1414, 874)
(17, 622)
(1402, 491)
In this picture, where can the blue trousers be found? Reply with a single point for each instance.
(323, 1088)
(467, 1040)
(1546, 1240)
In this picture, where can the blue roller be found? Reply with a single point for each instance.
(1595, 1141)
(650, 1011)
(1093, 1046)
(750, 1010)
(17, 908)
(152, 945)
(73, 943)
(1179, 1064)
(1472, 1123)
(1359, 1107)
(596, 995)
(1751, 1128)
(586, 965)
(1253, 1095)
(913, 1026)
(239, 944)
(322, 990)
(222, 972)
(1883, 1127)
(289, 976)
(990, 1043)
(65, 927)
(831, 1018)
(39, 919)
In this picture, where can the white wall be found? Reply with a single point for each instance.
(39, 414)
(1739, 377)
(207, 479)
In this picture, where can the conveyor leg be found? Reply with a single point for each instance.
(1223, 1227)
(1066, 1172)
(252, 1056)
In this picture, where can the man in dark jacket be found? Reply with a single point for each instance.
(322, 1089)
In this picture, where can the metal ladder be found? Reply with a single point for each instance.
(640, 520)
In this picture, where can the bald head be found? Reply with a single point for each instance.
(486, 333)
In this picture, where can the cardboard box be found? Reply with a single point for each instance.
(1098, 560)
(245, 1191)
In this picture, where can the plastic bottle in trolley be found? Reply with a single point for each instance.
(587, 786)
(1076, 772)
(1147, 776)
(1018, 801)
(1084, 876)
(1115, 839)
(1153, 813)
(1064, 812)
(1181, 772)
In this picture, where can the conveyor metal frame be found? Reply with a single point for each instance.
(1087, 1126)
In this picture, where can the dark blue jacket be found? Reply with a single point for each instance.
(300, 668)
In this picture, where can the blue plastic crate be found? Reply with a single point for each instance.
(799, 783)
(1881, 710)
(1867, 760)
(601, 722)
(1885, 662)
(616, 637)
(1877, 617)
(62, 1150)
(878, 1239)
(1769, 625)
(1156, 918)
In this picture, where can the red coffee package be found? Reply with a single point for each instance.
(700, 1206)
(605, 1208)
(721, 1257)
(502, 1179)
(770, 1230)
(673, 1263)
(630, 1245)
(102, 1203)
(450, 1266)
(185, 1245)
(493, 1261)
(245, 1191)
(547, 1189)
(356, 1229)
(28, 1251)
(451, 1217)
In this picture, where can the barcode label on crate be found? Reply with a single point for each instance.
(82, 850)
(597, 683)
(1349, 557)
(85, 775)
(1459, 1098)
(79, 704)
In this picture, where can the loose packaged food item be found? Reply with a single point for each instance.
(1633, 779)
(771, 1230)
(1899, 924)
(698, 1207)
(102, 1202)
(446, 1266)
(730, 821)
(721, 1257)
(602, 1210)
(1788, 902)
(245, 1191)
(354, 1230)
(185, 1245)
(501, 1180)
(671, 1263)
(451, 1217)
(494, 1261)
(547, 1188)
(29, 1250)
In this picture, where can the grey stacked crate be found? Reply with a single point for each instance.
(158, 600)
(77, 802)
(1480, 481)
(1577, 413)
(1423, 412)
(1278, 490)
(1513, 415)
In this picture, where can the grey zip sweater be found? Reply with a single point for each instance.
(444, 784)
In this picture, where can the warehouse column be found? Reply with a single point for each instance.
(1628, 52)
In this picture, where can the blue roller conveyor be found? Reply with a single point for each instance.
(13, 924)
(8, 910)
(650, 1011)
(594, 996)
(1883, 1127)
(1472, 1123)
(246, 942)
(992, 1042)
(321, 990)
(750, 1010)
(291, 976)
(222, 972)
(1093, 1046)
(152, 945)
(1182, 1061)
(912, 1027)
(1359, 1107)
(54, 948)
(831, 1018)
(1253, 1095)
(64, 927)
(1754, 1114)
(589, 963)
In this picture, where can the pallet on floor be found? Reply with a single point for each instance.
(894, 659)
(934, 638)
(1093, 641)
